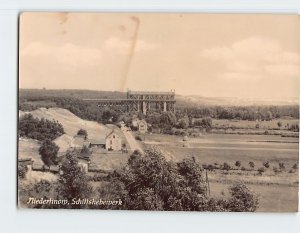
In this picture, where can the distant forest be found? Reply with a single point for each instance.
(31, 99)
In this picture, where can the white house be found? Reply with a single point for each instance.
(113, 141)
(142, 126)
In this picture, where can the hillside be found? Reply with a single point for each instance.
(71, 125)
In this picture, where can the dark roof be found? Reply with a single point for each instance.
(100, 141)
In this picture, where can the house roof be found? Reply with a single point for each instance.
(142, 121)
(98, 141)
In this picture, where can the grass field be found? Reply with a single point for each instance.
(272, 198)
(252, 124)
(277, 192)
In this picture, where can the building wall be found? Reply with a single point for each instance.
(113, 142)
(143, 127)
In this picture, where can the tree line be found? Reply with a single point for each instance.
(146, 182)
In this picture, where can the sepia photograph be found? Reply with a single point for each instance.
(158, 111)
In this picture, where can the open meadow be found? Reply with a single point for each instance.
(217, 149)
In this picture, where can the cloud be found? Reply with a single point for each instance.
(67, 54)
(118, 45)
(254, 58)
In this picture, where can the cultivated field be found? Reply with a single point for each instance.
(216, 149)
(272, 124)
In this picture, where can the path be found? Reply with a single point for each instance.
(131, 140)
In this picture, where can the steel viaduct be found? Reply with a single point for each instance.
(142, 101)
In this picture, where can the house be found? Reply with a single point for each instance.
(135, 122)
(112, 141)
(142, 126)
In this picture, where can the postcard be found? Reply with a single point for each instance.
(159, 111)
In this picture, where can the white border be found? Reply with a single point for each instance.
(14, 220)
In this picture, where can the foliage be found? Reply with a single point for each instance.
(72, 100)
(266, 164)
(138, 137)
(22, 170)
(48, 152)
(251, 164)
(41, 189)
(261, 170)
(281, 166)
(85, 151)
(72, 181)
(238, 163)
(82, 132)
(205, 123)
(242, 199)
(294, 127)
(226, 166)
(152, 183)
(39, 129)
(183, 123)
(110, 116)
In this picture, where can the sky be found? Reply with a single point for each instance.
(212, 55)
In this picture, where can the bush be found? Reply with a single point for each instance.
(261, 170)
(39, 129)
(266, 164)
(276, 170)
(238, 163)
(138, 137)
(82, 132)
(252, 165)
(281, 166)
(242, 199)
(226, 166)
(48, 152)
(295, 166)
(22, 170)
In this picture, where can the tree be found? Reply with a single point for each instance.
(183, 122)
(281, 166)
(82, 132)
(48, 152)
(279, 124)
(238, 163)
(242, 199)
(39, 129)
(295, 166)
(266, 164)
(252, 165)
(261, 170)
(110, 115)
(152, 183)
(226, 166)
(72, 181)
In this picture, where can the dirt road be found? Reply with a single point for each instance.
(131, 140)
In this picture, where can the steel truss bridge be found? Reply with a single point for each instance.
(141, 101)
